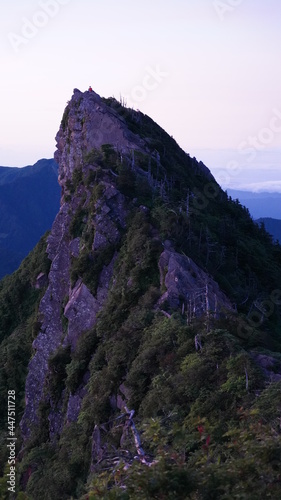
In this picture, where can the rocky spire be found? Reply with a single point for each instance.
(89, 123)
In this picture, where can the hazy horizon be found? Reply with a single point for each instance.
(230, 170)
(208, 72)
(261, 174)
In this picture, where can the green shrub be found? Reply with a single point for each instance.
(89, 265)
(81, 356)
(94, 157)
(65, 116)
(78, 222)
(77, 177)
(110, 156)
(57, 371)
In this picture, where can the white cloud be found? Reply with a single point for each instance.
(260, 187)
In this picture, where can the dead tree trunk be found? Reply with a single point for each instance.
(140, 450)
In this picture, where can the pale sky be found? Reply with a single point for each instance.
(208, 71)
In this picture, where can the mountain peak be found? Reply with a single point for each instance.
(87, 124)
(110, 175)
(90, 122)
(158, 299)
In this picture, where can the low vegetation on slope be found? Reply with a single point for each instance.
(176, 405)
(19, 324)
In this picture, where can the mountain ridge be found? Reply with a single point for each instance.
(29, 200)
(146, 324)
(261, 204)
(273, 226)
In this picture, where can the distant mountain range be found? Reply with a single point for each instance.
(29, 202)
(263, 207)
(259, 204)
(273, 227)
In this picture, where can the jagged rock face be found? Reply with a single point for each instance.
(106, 227)
(188, 287)
(128, 320)
(69, 302)
(90, 124)
(51, 332)
(270, 366)
(63, 300)
(80, 311)
(70, 308)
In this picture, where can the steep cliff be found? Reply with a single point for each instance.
(87, 233)
(158, 301)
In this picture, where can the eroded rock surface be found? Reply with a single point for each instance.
(88, 124)
(51, 332)
(70, 306)
(270, 365)
(188, 287)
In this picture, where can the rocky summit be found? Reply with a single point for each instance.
(142, 334)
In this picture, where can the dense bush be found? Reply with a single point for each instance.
(19, 324)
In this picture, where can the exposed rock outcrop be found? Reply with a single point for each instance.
(51, 332)
(81, 311)
(188, 287)
(70, 306)
(127, 318)
(88, 124)
(270, 365)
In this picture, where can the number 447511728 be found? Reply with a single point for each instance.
(11, 412)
